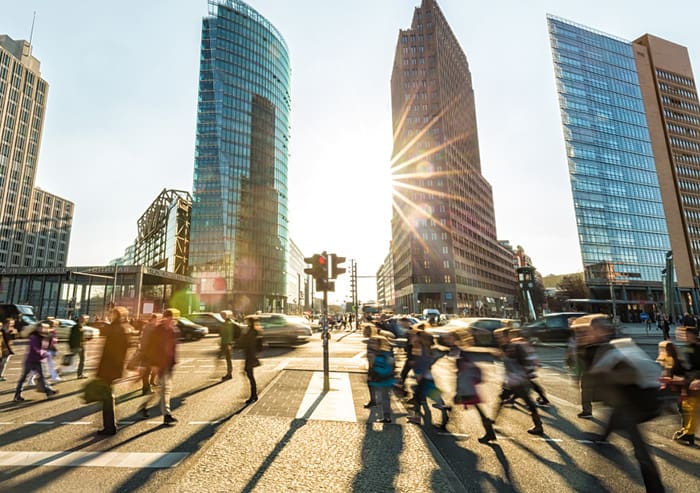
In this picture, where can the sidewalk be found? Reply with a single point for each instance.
(638, 332)
(297, 438)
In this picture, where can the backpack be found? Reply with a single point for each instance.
(382, 369)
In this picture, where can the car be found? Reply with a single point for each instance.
(392, 325)
(278, 328)
(23, 315)
(212, 321)
(189, 330)
(64, 327)
(553, 327)
(481, 329)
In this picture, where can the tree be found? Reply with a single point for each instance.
(573, 287)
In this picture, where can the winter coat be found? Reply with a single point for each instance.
(111, 365)
(36, 353)
(468, 376)
(75, 339)
(384, 358)
(248, 341)
(227, 332)
(160, 345)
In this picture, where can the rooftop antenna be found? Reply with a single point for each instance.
(31, 33)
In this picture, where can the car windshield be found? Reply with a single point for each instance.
(25, 309)
(186, 321)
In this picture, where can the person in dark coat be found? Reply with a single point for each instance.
(32, 362)
(160, 351)
(666, 328)
(8, 332)
(111, 366)
(76, 341)
(249, 342)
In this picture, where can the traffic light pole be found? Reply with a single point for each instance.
(326, 336)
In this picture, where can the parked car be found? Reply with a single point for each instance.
(64, 327)
(212, 321)
(553, 327)
(278, 328)
(481, 329)
(189, 330)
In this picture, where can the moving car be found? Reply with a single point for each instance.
(278, 328)
(189, 330)
(64, 327)
(481, 329)
(212, 321)
(23, 315)
(553, 327)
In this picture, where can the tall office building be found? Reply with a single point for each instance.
(35, 225)
(444, 247)
(631, 119)
(239, 237)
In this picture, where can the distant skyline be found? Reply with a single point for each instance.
(121, 111)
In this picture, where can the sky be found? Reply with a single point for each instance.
(120, 120)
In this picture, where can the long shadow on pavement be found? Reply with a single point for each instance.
(380, 459)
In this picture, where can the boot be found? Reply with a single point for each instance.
(537, 429)
(490, 433)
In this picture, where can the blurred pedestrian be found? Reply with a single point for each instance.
(468, 377)
(405, 325)
(370, 331)
(381, 374)
(161, 353)
(111, 366)
(666, 328)
(32, 362)
(250, 342)
(148, 374)
(51, 342)
(628, 381)
(227, 337)
(516, 384)
(591, 344)
(76, 342)
(690, 402)
(425, 388)
(532, 363)
(6, 351)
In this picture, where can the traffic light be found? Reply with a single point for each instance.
(325, 285)
(313, 270)
(323, 266)
(336, 268)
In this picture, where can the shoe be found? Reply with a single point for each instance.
(19, 398)
(678, 434)
(370, 404)
(536, 430)
(385, 420)
(144, 412)
(585, 415)
(2, 379)
(51, 393)
(688, 438)
(107, 432)
(542, 402)
(169, 419)
(487, 438)
(146, 392)
(414, 420)
(80, 377)
(226, 377)
(252, 399)
(55, 380)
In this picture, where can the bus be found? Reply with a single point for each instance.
(370, 309)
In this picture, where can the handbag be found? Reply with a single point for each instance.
(67, 359)
(96, 390)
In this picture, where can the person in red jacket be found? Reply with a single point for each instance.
(111, 365)
(160, 353)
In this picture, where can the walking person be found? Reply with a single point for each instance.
(425, 388)
(532, 363)
(516, 382)
(369, 331)
(381, 375)
(468, 377)
(111, 365)
(591, 344)
(51, 341)
(161, 353)
(690, 403)
(148, 375)
(250, 342)
(6, 352)
(76, 342)
(666, 328)
(32, 362)
(227, 337)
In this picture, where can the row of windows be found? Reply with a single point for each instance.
(691, 186)
(584, 128)
(675, 115)
(615, 67)
(583, 36)
(614, 204)
(678, 79)
(682, 130)
(593, 95)
(606, 84)
(605, 140)
(611, 156)
(689, 172)
(686, 158)
(677, 90)
(685, 144)
(600, 111)
(613, 238)
(614, 188)
(591, 218)
(680, 103)
(627, 174)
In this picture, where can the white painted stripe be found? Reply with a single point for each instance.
(462, 435)
(93, 459)
(76, 422)
(204, 422)
(282, 365)
(202, 371)
(360, 355)
(562, 402)
(185, 366)
(548, 439)
(39, 422)
(154, 422)
(334, 405)
(7, 422)
(206, 366)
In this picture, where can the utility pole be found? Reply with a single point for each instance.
(353, 285)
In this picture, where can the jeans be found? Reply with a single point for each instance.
(586, 393)
(36, 368)
(226, 350)
(251, 379)
(109, 420)
(166, 387)
(381, 394)
(80, 352)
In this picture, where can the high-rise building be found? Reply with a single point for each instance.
(35, 225)
(239, 236)
(444, 247)
(631, 120)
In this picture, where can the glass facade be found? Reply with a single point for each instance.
(239, 234)
(617, 200)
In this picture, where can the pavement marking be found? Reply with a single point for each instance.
(562, 402)
(204, 422)
(186, 366)
(154, 422)
(548, 439)
(282, 365)
(7, 422)
(462, 435)
(93, 459)
(360, 355)
(39, 422)
(207, 366)
(335, 405)
(202, 371)
(76, 422)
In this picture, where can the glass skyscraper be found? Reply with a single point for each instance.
(239, 235)
(617, 199)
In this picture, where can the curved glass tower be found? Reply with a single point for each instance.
(239, 231)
